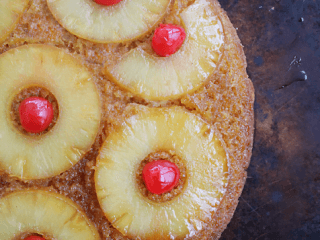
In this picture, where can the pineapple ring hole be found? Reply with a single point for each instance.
(23, 236)
(168, 196)
(33, 91)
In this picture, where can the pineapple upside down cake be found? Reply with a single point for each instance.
(121, 119)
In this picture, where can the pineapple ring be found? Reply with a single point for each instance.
(47, 155)
(43, 212)
(10, 13)
(152, 129)
(164, 78)
(125, 21)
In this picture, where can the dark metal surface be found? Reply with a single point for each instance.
(281, 198)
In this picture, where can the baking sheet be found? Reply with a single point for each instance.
(281, 198)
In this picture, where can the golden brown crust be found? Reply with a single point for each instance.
(225, 101)
(238, 166)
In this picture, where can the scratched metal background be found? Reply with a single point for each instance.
(281, 199)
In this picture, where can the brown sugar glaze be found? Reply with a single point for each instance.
(225, 101)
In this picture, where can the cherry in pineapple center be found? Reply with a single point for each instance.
(35, 114)
(34, 238)
(160, 176)
(34, 111)
(107, 2)
(168, 39)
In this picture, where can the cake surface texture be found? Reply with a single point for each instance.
(117, 106)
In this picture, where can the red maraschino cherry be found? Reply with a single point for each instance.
(167, 39)
(36, 114)
(160, 176)
(107, 2)
(34, 238)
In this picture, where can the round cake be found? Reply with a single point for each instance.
(121, 119)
